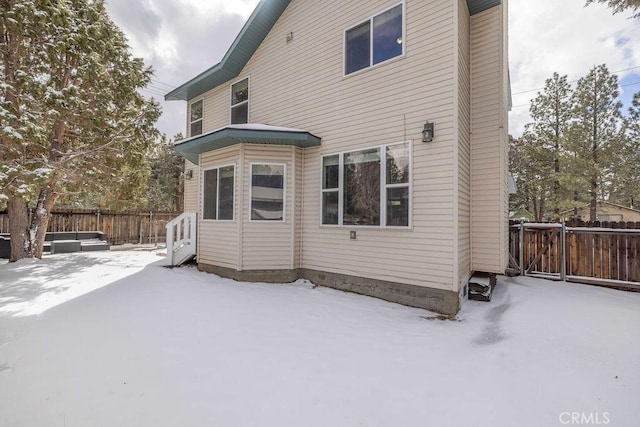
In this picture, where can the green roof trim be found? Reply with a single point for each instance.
(477, 6)
(261, 21)
(237, 134)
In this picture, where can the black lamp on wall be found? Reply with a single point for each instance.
(429, 132)
(189, 174)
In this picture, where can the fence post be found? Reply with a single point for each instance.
(521, 260)
(169, 241)
(98, 220)
(141, 232)
(563, 266)
(150, 225)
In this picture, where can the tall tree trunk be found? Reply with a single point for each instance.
(556, 180)
(556, 161)
(18, 228)
(593, 204)
(594, 156)
(28, 234)
(594, 179)
(40, 220)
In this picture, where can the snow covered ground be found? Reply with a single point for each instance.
(114, 339)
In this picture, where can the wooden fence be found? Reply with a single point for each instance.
(590, 252)
(119, 227)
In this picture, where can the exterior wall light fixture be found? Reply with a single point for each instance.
(189, 174)
(429, 132)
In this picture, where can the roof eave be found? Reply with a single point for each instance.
(477, 6)
(254, 31)
(225, 137)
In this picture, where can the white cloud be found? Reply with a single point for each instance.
(238, 7)
(548, 36)
(179, 39)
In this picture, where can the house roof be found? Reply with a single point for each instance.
(252, 133)
(263, 18)
(602, 202)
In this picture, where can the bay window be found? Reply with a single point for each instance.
(218, 189)
(267, 192)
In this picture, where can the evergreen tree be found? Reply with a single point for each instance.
(626, 182)
(71, 111)
(620, 5)
(551, 114)
(164, 192)
(519, 168)
(531, 168)
(597, 133)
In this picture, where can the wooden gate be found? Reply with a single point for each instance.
(597, 253)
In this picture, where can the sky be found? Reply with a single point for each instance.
(182, 38)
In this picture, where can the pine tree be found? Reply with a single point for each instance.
(620, 5)
(551, 114)
(531, 177)
(164, 192)
(597, 133)
(71, 112)
(626, 181)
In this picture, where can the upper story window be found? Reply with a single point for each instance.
(240, 102)
(376, 40)
(195, 118)
(367, 187)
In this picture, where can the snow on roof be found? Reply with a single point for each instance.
(247, 126)
(260, 126)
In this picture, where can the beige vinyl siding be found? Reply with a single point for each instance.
(218, 241)
(301, 84)
(298, 201)
(488, 130)
(267, 245)
(191, 187)
(504, 138)
(464, 153)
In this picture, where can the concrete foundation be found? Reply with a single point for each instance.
(267, 276)
(438, 300)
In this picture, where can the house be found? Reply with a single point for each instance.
(361, 145)
(521, 215)
(605, 211)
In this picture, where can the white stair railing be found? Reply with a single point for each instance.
(181, 239)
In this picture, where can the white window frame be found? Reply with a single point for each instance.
(231, 105)
(370, 20)
(201, 119)
(382, 149)
(284, 192)
(235, 180)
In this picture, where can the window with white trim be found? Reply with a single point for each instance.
(218, 189)
(195, 118)
(374, 41)
(367, 187)
(240, 102)
(267, 192)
